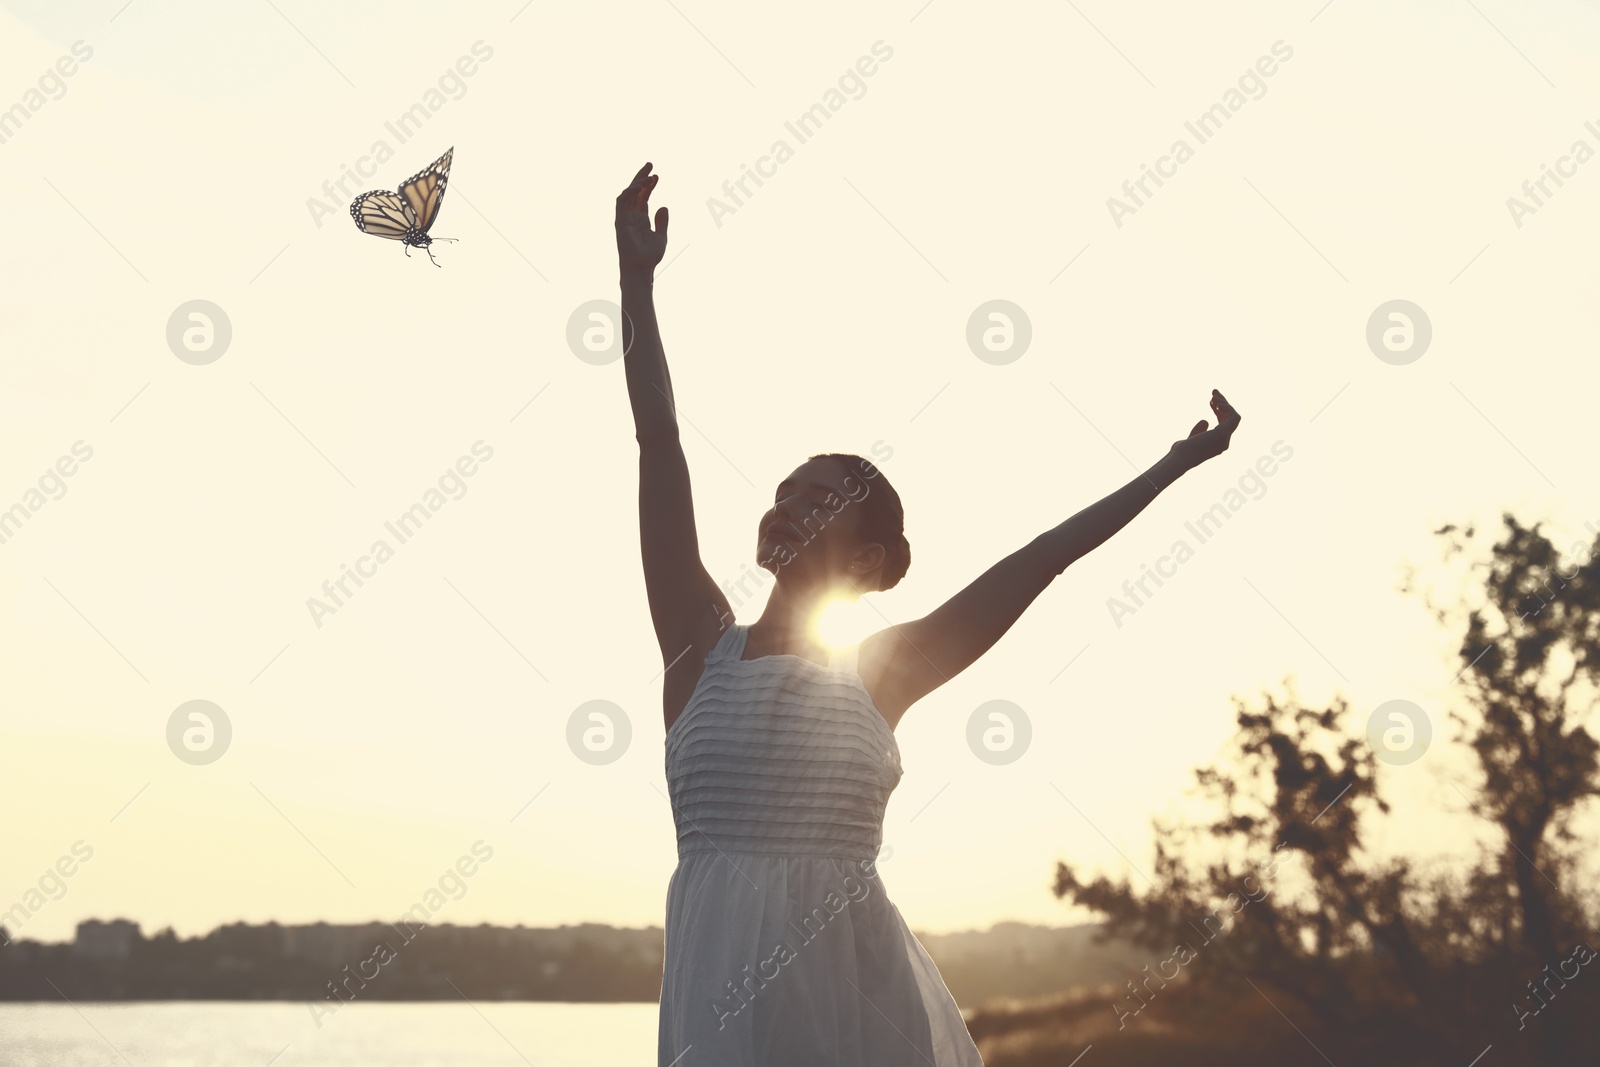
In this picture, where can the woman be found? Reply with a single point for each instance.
(782, 947)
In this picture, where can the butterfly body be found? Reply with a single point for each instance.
(407, 214)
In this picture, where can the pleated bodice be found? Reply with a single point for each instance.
(780, 755)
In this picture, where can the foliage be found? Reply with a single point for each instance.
(1276, 899)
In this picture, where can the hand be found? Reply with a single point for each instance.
(639, 248)
(1202, 444)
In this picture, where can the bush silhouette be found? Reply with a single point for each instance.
(1275, 937)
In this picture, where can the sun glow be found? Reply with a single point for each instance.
(843, 621)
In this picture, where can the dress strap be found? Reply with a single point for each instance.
(731, 644)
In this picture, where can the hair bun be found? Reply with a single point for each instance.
(896, 564)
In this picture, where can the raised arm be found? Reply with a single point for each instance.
(686, 605)
(915, 658)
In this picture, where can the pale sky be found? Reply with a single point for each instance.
(828, 312)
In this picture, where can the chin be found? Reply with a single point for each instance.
(772, 555)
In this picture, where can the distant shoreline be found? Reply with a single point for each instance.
(295, 1000)
(326, 966)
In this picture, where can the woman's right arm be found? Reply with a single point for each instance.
(686, 606)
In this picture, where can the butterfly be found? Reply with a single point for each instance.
(406, 215)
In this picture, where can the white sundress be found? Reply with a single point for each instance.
(782, 946)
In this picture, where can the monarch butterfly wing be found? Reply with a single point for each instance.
(383, 214)
(424, 191)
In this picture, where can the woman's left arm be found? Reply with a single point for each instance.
(919, 656)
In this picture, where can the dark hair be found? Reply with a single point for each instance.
(883, 520)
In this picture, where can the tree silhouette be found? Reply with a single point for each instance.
(1277, 900)
(1533, 653)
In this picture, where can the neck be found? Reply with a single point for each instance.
(788, 620)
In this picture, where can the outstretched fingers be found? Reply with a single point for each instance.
(637, 195)
(1226, 415)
